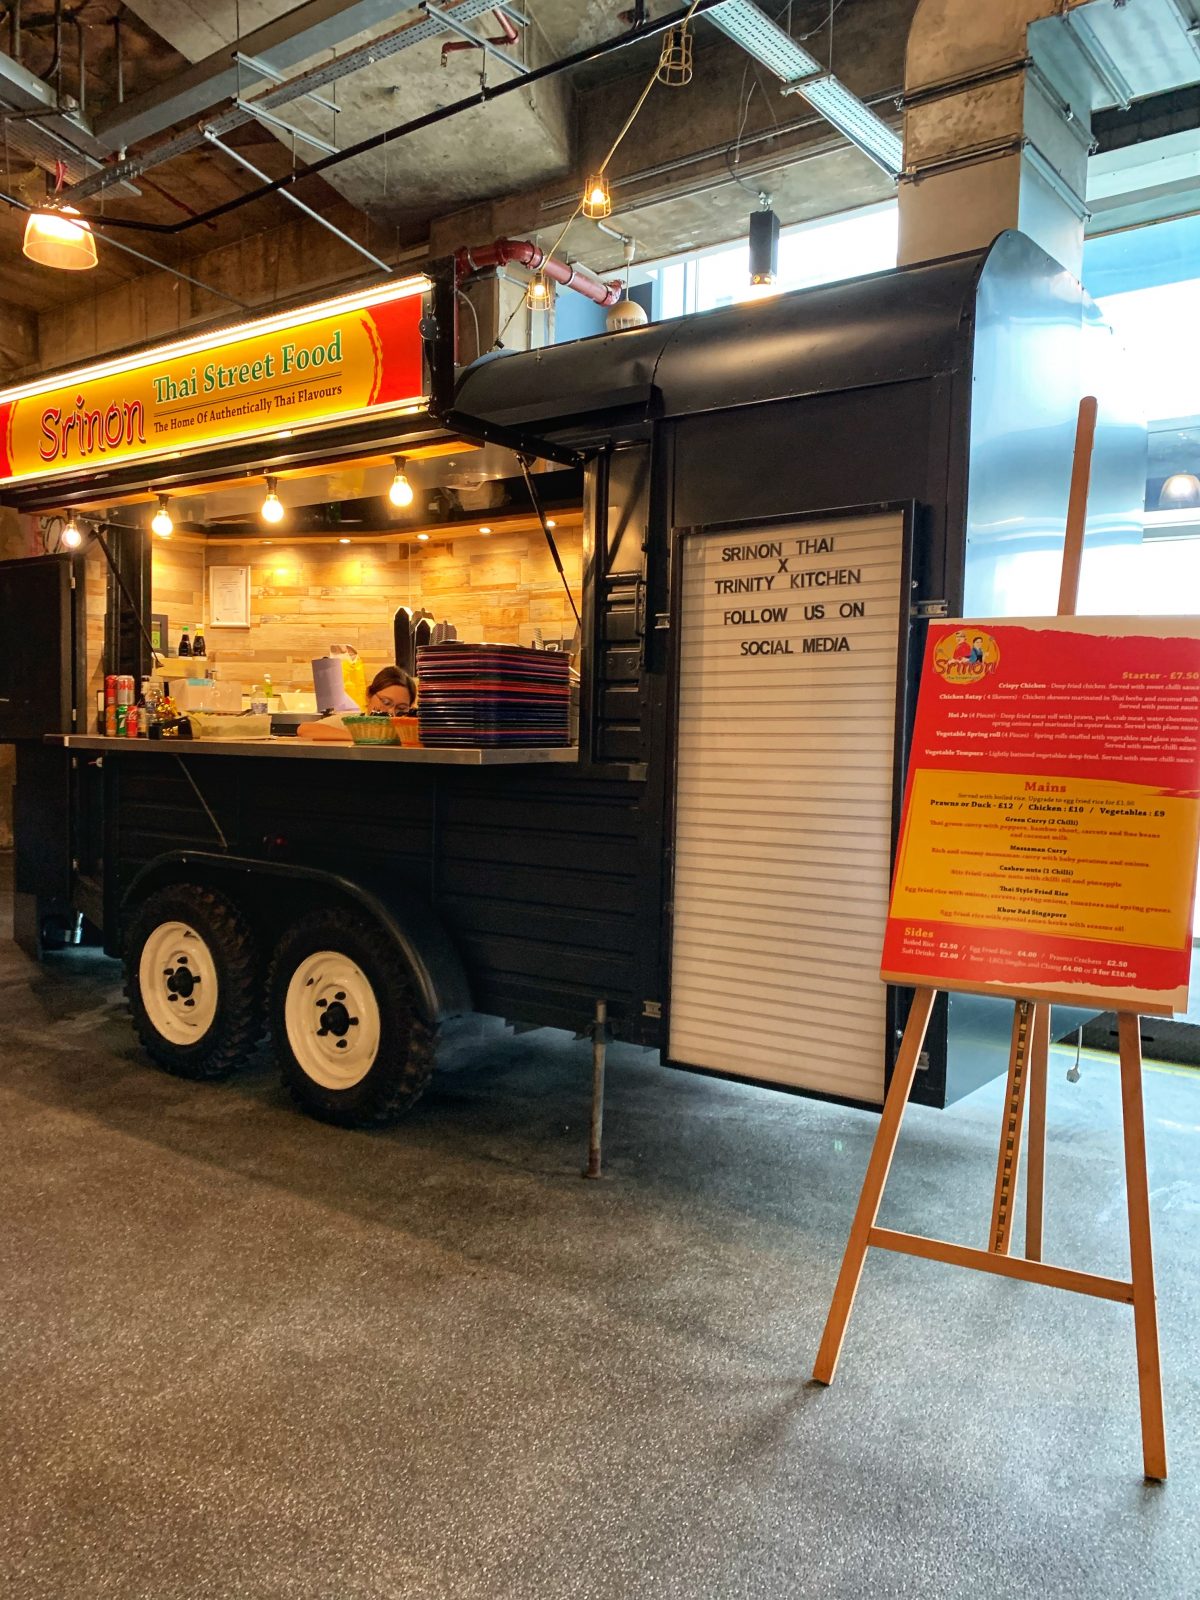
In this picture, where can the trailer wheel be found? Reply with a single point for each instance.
(192, 976)
(351, 1045)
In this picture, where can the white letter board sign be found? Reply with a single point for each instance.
(783, 802)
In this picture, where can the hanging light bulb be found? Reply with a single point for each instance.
(537, 292)
(597, 201)
(71, 536)
(53, 239)
(161, 522)
(272, 506)
(401, 492)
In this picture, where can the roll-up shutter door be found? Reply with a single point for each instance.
(783, 801)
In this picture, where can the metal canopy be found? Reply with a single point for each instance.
(888, 328)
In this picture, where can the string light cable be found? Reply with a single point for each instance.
(598, 176)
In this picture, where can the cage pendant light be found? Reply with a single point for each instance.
(675, 62)
(597, 201)
(537, 291)
(60, 238)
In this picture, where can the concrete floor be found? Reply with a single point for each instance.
(243, 1354)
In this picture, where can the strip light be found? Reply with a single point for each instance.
(801, 73)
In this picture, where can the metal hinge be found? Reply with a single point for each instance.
(662, 619)
(72, 578)
(652, 1008)
(930, 608)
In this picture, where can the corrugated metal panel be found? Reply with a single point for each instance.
(783, 809)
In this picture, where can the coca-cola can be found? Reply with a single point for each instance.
(125, 689)
(110, 689)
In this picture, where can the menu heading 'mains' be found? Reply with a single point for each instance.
(316, 365)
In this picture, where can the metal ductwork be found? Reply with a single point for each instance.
(998, 99)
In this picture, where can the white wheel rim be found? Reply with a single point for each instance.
(177, 978)
(332, 1020)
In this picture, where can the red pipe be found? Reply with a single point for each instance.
(527, 254)
(508, 36)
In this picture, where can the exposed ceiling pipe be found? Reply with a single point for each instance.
(281, 91)
(527, 254)
(482, 96)
(508, 35)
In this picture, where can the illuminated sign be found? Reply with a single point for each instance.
(323, 364)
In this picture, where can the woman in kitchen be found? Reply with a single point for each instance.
(391, 692)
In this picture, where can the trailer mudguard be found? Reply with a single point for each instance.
(412, 925)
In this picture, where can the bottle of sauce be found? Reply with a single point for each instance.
(148, 704)
(185, 646)
(198, 648)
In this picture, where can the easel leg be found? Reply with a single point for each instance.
(599, 1052)
(1035, 1174)
(1009, 1162)
(1141, 1257)
(872, 1190)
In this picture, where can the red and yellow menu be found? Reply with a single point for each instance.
(1052, 813)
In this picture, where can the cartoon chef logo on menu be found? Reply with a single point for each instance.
(964, 657)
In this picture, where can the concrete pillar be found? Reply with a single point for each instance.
(997, 107)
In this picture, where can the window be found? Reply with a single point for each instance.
(810, 253)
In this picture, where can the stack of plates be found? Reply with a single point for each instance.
(496, 695)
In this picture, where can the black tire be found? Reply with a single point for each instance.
(229, 952)
(331, 956)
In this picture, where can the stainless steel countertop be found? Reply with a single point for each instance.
(306, 750)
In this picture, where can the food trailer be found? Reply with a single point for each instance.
(756, 511)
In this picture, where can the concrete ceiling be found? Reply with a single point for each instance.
(689, 173)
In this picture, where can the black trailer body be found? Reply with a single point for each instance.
(922, 419)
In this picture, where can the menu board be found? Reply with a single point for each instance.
(1052, 815)
(785, 751)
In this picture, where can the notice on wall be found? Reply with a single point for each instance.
(789, 638)
(1052, 815)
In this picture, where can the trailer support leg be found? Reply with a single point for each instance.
(599, 1050)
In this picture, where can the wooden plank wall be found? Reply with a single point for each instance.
(502, 588)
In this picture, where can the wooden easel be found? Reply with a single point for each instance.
(1028, 1066)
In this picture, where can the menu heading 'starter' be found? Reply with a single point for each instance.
(300, 369)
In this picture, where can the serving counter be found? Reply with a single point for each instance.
(305, 750)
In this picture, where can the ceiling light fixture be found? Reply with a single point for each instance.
(1180, 492)
(423, 537)
(537, 292)
(485, 530)
(53, 239)
(401, 491)
(272, 506)
(343, 541)
(675, 62)
(597, 198)
(764, 246)
(72, 535)
(161, 522)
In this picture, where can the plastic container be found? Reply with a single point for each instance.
(226, 725)
(365, 728)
